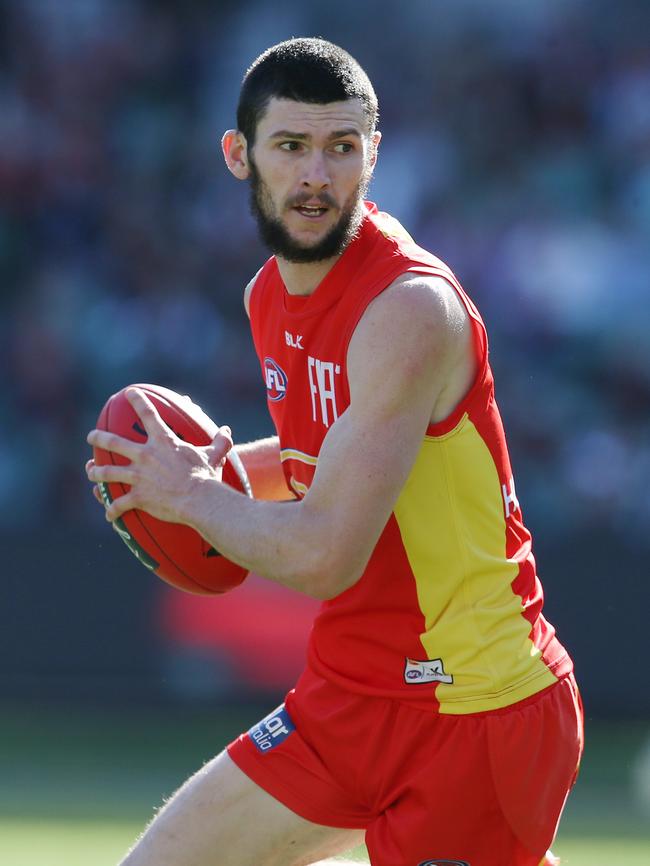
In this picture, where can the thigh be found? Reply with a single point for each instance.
(486, 790)
(220, 817)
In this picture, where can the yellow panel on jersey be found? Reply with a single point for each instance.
(451, 519)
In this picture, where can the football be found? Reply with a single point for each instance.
(176, 553)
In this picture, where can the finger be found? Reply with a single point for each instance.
(109, 472)
(113, 442)
(220, 446)
(97, 495)
(119, 506)
(146, 412)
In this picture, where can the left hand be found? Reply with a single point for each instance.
(163, 471)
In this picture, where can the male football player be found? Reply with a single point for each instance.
(437, 717)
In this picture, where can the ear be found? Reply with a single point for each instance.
(235, 152)
(374, 147)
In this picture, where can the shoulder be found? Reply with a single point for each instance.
(413, 346)
(432, 296)
(418, 316)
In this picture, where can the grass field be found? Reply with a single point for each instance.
(76, 788)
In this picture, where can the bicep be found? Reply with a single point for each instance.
(397, 366)
(363, 464)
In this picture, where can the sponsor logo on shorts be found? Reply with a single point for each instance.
(272, 730)
(427, 671)
(444, 863)
(276, 380)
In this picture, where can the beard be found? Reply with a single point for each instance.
(276, 236)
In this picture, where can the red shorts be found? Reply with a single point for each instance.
(485, 789)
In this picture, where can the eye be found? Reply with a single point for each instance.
(290, 146)
(343, 147)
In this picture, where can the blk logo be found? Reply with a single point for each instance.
(276, 380)
(295, 342)
(427, 671)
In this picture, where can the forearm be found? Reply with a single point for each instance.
(314, 545)
(261, 460)
(282, 541)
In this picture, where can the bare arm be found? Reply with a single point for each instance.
(405, 351)
(261, 460)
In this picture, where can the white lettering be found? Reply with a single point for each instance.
(274, 380)
(275, 727)
(510, 501)
(312, 385)
(324, 385)
(325, 376)
(294, 342)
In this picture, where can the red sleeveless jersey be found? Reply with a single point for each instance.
(447, 614)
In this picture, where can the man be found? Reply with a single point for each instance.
(438, 717)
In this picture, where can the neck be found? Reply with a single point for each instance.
(304, 279)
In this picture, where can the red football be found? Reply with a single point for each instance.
(176, 553)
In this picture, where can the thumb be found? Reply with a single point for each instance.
(220, 446)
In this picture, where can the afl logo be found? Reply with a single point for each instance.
(276, 380)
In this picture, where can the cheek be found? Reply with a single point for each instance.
(278, 187)
(354, 174)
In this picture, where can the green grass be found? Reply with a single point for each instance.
(77, 789)
(64, 841)
(68, 842)
(603, 852)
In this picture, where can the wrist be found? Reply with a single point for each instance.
(197, 502)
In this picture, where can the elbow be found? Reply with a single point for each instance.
(323, 588)
(329, 558)
(337, 588)
(329, 574)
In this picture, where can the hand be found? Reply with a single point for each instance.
(163, 472)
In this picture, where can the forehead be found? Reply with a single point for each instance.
(312, 119)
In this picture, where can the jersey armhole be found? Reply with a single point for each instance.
(248, 292)
(479, 337)
(480, 349)
(256, 294)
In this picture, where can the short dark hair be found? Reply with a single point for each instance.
(305, 70)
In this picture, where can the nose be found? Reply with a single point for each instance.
(316, 171)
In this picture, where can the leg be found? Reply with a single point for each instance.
(220, 817)
(486, 789)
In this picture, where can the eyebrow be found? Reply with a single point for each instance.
(302, 136)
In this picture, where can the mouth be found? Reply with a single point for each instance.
(313, 212)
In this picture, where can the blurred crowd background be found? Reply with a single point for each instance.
(516, 147)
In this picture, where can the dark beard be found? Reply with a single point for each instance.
(276, 237)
